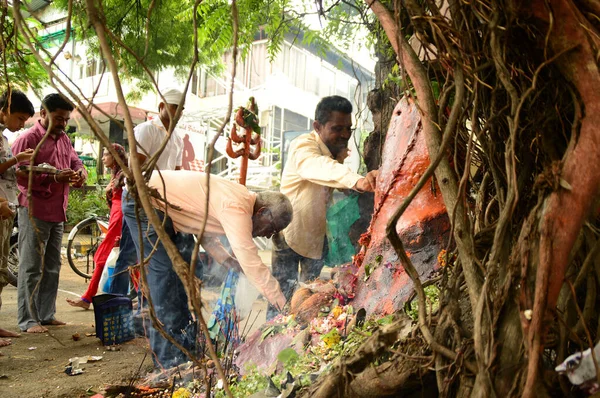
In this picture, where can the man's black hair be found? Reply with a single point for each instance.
(55, 101)
(334, 103)
(19, 103)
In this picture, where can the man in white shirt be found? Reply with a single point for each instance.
(149, 137)
(151, 134)
(314, 168)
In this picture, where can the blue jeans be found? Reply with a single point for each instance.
(166, 289)
(127, 257)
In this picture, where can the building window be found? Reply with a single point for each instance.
(90, 69)
(326, 82)
(341, 85)
(194, 82)
(211, 86)
(258, 65)
(93, 66)
(313, 71)
(293, 121)
(295, 66)
(300, 75)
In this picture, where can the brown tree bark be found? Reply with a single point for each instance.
(573, 34)
(381, 104)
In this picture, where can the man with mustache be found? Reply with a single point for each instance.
(42, 217)
(313, 170)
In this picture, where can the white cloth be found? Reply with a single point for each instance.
(149, 136)
(172, 96)
(309, 176)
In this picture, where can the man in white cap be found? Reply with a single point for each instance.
(150, 134)
(149, 137)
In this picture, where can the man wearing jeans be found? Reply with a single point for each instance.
(233, 212)
(42, 218)
(149, 137)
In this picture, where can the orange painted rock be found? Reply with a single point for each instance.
(382, 285)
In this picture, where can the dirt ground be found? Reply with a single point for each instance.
(33, 366)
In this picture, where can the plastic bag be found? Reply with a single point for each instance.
(108, 271)
(340, 217)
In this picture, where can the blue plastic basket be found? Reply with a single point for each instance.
(114, 318)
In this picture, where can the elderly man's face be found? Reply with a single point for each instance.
(264, 224)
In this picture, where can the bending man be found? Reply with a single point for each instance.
(233, 211)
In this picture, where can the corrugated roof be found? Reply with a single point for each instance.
(35, 5)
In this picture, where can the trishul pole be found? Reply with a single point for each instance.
(247, 120)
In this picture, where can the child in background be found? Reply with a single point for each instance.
(15, 109)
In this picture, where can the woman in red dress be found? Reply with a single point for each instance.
(113, 196)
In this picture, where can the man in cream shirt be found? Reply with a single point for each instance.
(314, 168)
(234, 212)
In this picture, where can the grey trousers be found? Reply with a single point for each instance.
(39, 248)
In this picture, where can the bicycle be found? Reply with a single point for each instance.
(13, 255)
(82, 243)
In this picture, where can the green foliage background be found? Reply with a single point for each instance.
(18, 66)
(170, 43)
(83, 205)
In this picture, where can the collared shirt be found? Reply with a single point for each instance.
(8, 179)
(150, 135)
(309, 176)
(50, 199)
(230, 209)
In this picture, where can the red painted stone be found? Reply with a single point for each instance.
(423, 228)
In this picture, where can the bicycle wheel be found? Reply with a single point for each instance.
(82, 244)
(13, 263)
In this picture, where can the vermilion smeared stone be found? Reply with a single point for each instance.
(423, 228)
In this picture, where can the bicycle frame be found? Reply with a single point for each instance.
(102, 224)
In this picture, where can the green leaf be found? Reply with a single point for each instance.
(386, 320)
(368, 271)
(267, 332)
(287, 356)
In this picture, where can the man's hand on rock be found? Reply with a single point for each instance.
(368, 183)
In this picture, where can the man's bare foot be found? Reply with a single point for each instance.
(54, 322)
(8, 333)
(5, 342)
(79, 303)
(37, 329)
